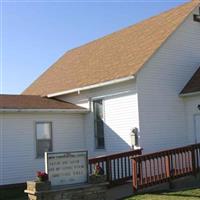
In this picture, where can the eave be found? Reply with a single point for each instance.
(64, 111)
(78, 90)
(190, 94)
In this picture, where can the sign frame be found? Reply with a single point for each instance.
(68, 152)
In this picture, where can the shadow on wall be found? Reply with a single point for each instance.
(115, 142)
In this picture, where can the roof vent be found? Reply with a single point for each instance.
(197, 17)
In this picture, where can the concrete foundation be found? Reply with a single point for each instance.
(38, 191)
(100, 191)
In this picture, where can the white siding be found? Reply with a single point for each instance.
(120, 113)
(191, 104)
(119, 120)
(161, 110)
(18, 155)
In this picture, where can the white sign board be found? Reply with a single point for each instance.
(67, 167)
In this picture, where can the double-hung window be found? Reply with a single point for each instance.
(98, 124)
(43, 138)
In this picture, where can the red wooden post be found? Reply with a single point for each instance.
(193, 161)
(167, 161)
(108, 170)
(134, 166)
(169, 175)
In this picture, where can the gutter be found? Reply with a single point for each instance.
(190, 94)
(91, 86)
(81, 111)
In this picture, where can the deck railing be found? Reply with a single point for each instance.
(159, 167)
(117, 167)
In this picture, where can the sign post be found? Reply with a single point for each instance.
(67, 168)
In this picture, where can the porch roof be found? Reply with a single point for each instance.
(35, 102)
(193, 86)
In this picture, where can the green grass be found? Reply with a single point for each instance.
(13, 194)
(188, 194)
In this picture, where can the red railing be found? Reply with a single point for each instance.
(159, 167)
(117, 167)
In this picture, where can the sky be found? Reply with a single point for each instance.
(34, 34)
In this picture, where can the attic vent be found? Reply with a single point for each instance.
(197, 17)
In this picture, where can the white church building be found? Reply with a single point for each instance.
(145, 77)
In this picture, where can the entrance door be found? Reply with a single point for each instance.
(197, 128)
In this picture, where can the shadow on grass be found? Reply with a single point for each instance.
(15, 193)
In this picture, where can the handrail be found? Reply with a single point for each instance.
(115, 155)
(162, 166)
(171, 150)
(116, 166)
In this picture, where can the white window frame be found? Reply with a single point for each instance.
(94, 120)
(36, 140)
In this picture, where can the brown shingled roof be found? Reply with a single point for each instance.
(117, 55)
(193, 85)
(33, 102)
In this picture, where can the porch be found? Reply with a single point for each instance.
(131, 172)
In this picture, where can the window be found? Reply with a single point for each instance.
(99, 124)
(43, 138)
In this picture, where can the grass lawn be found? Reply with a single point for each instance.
(188, 194)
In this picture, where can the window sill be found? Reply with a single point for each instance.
(38, 158)
(99, 149)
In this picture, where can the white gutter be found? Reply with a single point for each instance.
(44, 110)
(91, 86)
(189, 94)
